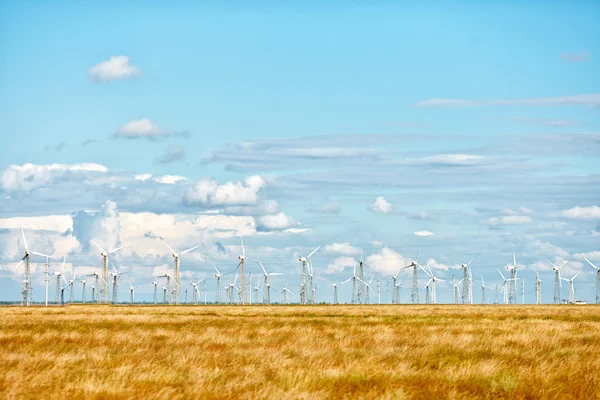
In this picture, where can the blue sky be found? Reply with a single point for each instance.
(332, 106)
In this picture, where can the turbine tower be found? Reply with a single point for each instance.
(467, 293)
(72, 288)
(218, 295)
(455, 290)
(335, 293)
(26, 299)
(362, 293)
(557, 281)
(103, 298)
(378, 289)
(46, 273)
(176, 275)
(58, 275)
(242, 258)
(155, 299)
(597, 280)
(512, 294)
(284, 291)
(304, 260)
(538, 289)
(83, 291)
(505, 288)
(267, 284)
(132, 292)
(115, 281)
(414, 294)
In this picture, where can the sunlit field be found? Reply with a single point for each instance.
(300, 352)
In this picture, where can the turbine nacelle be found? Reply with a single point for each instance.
(242, 257)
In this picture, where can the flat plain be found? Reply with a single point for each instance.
(277, 352)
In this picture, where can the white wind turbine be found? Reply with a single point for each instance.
(267, 284)
(242, 298)
(26, 292)
(432, 280)
(512, 294)
(353, 279)
(72, 288)
(597, 280)
(335, 293)
(467, 280)
(284, 292)
(303, 290)
(155, 297)
(557, 280)
(196, 294)
(455, 290)
(176, 274)
(505, 288)
(103, 298)
(218, 275)
(132, 292)
(571, 288)
(83, 281)
(483, 287)
(115, 281)
(58, 275)
(46, 273)
(367, 288)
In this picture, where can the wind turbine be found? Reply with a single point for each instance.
(432, 280)
(597, 280)
(26, 292)
(335, 292)
(155, 284)
(242, 294)
(284, 292)
(455, 290)
(414, 294)
(46, 273)
(538, 289)
(557, 280)
(103, 298)
(115, 280)
(467, 294)
(267, 284)
(176, 275)
(353, 279)
(571, 288)
(483, 287)
(505, 289)
(362, 292)
(82, 291)
(196, 290)
(72, 287)
(218, 275)
(512, 299)
(132, 292)
(303, 260)
(58, 275)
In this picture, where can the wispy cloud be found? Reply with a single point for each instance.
(172, 154)
(592, 100)
(553, 123)
(144, 128)
(326, 208)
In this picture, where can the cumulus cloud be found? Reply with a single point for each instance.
(326, 208)
(510, 220)
(381, 205)
(144, 128)
(341, 248)
(30, 176)
(387, 261)
(588, 213)
(340, 264)
(279, 221)
(115, 68)
(423, 233)
(592, 100)
(209, 192)
(172, 154)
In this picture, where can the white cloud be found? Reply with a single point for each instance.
(340, 264)
(341, 248)
(376, 243)
(141, 128)
(518, 211)
(431, 263)
(208, 192)
(423, 233)
(579, 99)
(30, 176)
(449, 159)
(115, 68)
(387, 261)
(172, 154)
(56, 223)
(592, 212)
(278, 221)
(170, 179)
(510, 220)
(143, 177)
(592, 255)
(381, 205)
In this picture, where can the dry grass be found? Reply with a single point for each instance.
(394, 352)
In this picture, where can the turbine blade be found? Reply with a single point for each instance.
(63, 265)
(17, 266)
(188, 250)
(98, 246)
(263, 267)
(313, 252)
(575, 275)
(514, 259)
(216, 269)
(243, 249)
(418, 255)
(566, 263)
(551, 263)
(424, 270)
(24, 240)
(473, 259)
(169, 247)
(41, 255)
(113, 250)
(589, 262)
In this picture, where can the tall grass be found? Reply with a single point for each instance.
(458, 352)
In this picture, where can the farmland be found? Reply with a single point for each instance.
(300, 352)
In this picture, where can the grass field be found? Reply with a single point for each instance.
(459, 352)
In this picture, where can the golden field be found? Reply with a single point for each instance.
(277, 352)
